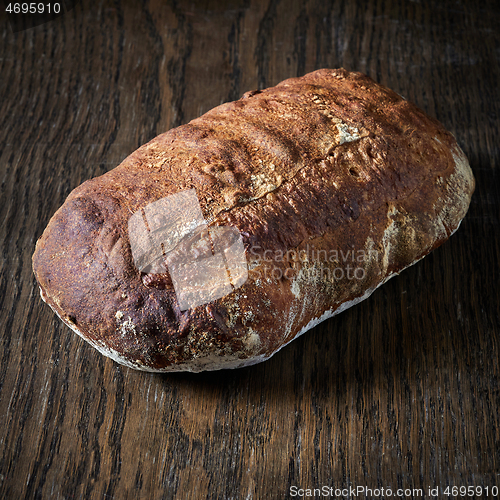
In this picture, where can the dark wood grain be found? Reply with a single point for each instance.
(402, 391)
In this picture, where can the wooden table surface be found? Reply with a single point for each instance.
(401, 391)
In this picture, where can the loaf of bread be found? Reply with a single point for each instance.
(220, 241)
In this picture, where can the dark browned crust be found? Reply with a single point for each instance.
(276, 166)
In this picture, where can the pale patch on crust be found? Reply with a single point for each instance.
(389, 236)
(263, 184)
(127, 327)
(302, 287)
(347, 134)
(295, 288)
(252, 340)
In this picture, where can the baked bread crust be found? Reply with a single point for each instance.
(316, 173)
